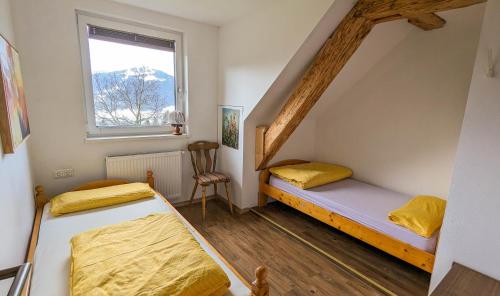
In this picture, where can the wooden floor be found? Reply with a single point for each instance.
(247, 241)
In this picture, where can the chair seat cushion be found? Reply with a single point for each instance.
(210, 178)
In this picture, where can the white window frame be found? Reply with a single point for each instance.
(93, 131)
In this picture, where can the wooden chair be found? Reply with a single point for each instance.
(205, 174)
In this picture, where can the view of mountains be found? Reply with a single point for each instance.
(165, 83)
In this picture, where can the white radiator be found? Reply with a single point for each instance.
(166, 167)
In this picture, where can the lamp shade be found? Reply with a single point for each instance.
(176, 117)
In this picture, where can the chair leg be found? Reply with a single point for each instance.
(194, 192)
(228, 194)
(203, 202)
(215, 189)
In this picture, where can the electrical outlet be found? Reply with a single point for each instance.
(64, 173)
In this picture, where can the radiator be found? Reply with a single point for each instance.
(166, 167)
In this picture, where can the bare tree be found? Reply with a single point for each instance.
(128, 98)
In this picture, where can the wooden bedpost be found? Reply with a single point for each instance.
(262, 200)
(260, 133)
(151, 179)
(40, 198)
(260, 287)
(263, 179)
(265, 174)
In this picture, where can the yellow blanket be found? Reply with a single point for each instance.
(154, 255)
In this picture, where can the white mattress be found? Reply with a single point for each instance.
(363, 203)
(52, 256)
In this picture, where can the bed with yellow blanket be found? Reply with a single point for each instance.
(372, 214)
(141, 247)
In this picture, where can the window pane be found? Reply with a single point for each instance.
(133, 86)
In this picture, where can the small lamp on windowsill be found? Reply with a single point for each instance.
(177, 120)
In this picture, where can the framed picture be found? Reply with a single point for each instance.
(14, 125)
(229, 126)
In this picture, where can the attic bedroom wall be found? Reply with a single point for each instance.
(398, 127)
(46, 31)
(16, 186)
(254, 50)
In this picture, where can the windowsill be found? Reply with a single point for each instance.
(97, 139)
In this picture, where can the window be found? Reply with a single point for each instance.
(132, 77)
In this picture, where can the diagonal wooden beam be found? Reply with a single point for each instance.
(378, 9)
(426, 21)
(326, 66)
(336, 52)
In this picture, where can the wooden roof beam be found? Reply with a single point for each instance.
(426, 21)
(379, 9)
(327, 64)
(335, 53)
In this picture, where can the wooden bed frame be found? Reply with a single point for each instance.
(388, 244)
(259, 287)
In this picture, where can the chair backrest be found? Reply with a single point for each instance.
(201, 158)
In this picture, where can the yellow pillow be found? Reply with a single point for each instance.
(422, 214)
(76, 201)
(311, 174)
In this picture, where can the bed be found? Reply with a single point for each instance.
(49, 249)
(356, 208)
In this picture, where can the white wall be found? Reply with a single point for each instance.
(256, 48)
(470, 233)
(46, 31)
(253, 52)
(398, 126)
(16, 187)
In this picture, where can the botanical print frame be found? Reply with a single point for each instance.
(229, 125)
(14, 124)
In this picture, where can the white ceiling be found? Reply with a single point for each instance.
(213, 12)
